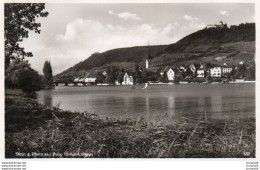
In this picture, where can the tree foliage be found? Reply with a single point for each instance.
(21, 75)
(20, 18)
(47, 74)
(216, 35)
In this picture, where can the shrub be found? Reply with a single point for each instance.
(28, 80)
(20, 75)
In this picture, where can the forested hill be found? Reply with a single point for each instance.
(121, 57)
(233, 43)
(219, 34)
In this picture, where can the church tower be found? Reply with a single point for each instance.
(148, 59)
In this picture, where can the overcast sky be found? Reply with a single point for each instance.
(72, 32)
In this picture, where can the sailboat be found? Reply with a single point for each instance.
(145, 86)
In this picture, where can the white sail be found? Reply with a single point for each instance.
(145, 86)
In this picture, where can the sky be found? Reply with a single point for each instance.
(72, 32)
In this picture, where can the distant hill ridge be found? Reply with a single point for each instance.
(234, 43)
(219, 34)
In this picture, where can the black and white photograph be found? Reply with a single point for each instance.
(129, 80)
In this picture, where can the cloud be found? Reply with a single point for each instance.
(187, 17)
(224, 13)
(192, 23)
(82, 38)
(95, 36)
(190, 18)
(125, 15)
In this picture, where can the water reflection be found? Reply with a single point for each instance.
(47, 98)
(157, 103)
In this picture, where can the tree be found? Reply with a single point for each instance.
(47, 74)
(21, 75)
(165, 77)
(20, 18)
(138, 74)
(28, 80)
(112, 74)
(100, 78)
(120, 76)
(15, 66)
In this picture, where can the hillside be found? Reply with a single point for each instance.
(122, 58)
(215, 45)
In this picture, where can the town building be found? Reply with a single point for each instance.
(170, 74)
(148, 59)
(128, 79)
(193, 68)
(183, 69)
(90, 79)
(200, 73)
(117, 83)
(82, 79)
(226, 70)
(215, 72)
(241, 62)
(104, 73)
(76, 79)
(147, 63)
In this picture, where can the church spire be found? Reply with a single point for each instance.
(148, 59)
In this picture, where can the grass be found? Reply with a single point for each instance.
(36, 131)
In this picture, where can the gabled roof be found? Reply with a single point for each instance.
(226, 66)
(192, 66)
(152, 69)
(167, 68)
(129, 73)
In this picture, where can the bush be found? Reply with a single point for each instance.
(28, 80)
(20, 75)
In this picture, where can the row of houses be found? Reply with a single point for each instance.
(200, 72)
(89, 78)
(171, 73)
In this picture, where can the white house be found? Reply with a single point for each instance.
(226, 70)
(241, 62)
(104, 73)
(192, 68)
(215, 72)
(76, 79)
(200, 73)
(170, 74)
(90, 79)
(128, 80)
(117, 83)
(182, 68)
(81, 79)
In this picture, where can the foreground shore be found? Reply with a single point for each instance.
(32, 130)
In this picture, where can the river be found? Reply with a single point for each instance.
(157, 102)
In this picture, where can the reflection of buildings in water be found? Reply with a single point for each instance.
(47, 98)
(147, 106)
(128, 103)
(171, 108)
(208, 104)
(227, 104)
(216, 104)
(186, 105)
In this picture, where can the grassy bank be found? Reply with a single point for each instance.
(36, 131)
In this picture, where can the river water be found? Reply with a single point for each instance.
(157, 102)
